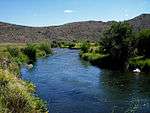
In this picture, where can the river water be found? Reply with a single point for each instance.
(70, 85)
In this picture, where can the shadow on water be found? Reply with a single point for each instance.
(129, 90)
(71, 85)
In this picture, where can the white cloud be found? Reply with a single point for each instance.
(68, 11)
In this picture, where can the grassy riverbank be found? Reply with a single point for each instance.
(16, 95)
(104, 61)
(120, 48)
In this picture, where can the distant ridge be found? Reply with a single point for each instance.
(88, 30)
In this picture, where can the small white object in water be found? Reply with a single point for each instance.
(137, 70)
(30, 66)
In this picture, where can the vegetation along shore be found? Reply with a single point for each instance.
(120, 48)
(17, 95)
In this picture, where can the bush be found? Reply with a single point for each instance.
(116, 42)
(55, 44)
(30, 51)
(65, 44)
(143, 42)
(22, 58)
(16, 96)
(40, 54)
(85, 47)
(14, 52)
(71, 45)
(46, 47)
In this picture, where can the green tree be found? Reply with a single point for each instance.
(116, 42)
(143, 42)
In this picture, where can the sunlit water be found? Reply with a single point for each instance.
(70, 85)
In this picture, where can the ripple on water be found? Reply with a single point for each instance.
(71, 85)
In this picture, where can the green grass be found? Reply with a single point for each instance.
(71, 45)
(92, 56)
(77, 45)
(11, 49)
(140, 62)
(91, 51)
(3, 46)
(45, 47)
(16, 95)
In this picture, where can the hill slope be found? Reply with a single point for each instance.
(88, 30)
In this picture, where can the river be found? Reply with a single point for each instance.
(70, 85)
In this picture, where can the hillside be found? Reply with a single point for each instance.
(88, 30)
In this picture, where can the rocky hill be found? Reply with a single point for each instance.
(140, 22)
(88, 30)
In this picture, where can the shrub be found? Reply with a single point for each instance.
(22, 58)
(55, 44)
(143, 42)
(40, 54)
(85, 47)
(71, 45)
(14, 52)
(116, 42)
(46, 47)
(30, 51)
(16, 96)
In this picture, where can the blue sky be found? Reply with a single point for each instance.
(56, 12)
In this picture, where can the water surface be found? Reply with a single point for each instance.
(70, 85)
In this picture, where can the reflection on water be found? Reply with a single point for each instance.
(129, 89)
(71, 85)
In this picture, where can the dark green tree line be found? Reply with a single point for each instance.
(116, 42)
